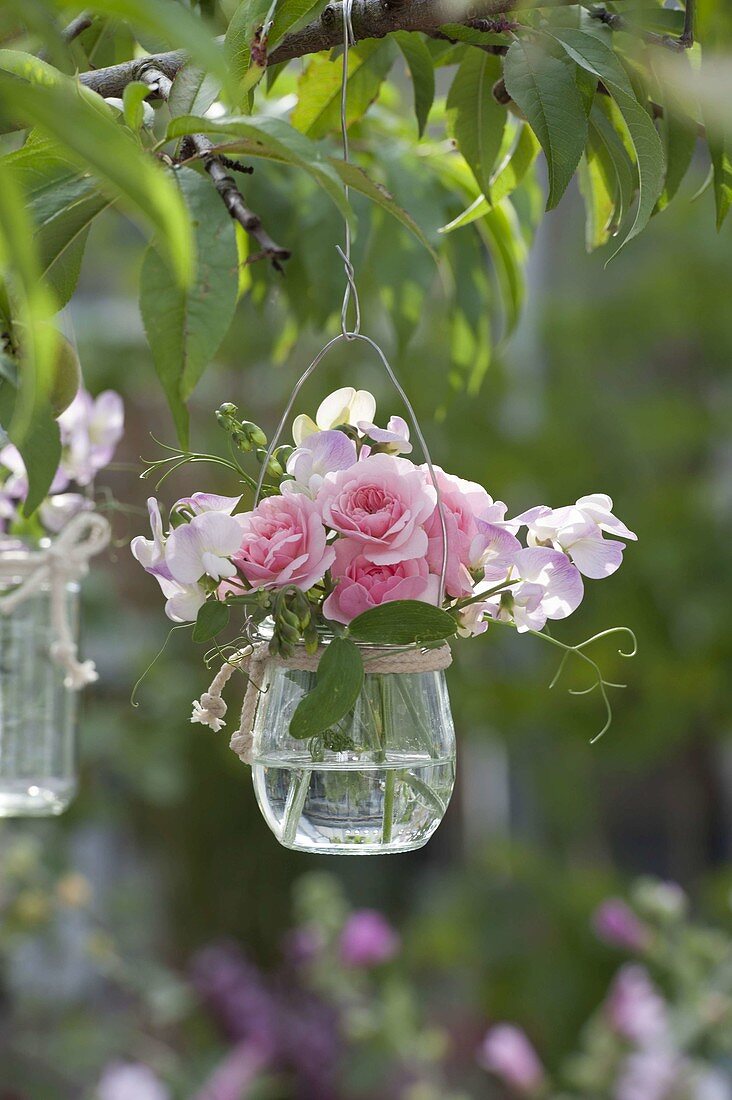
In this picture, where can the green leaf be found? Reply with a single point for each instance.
(720, 150)
(133, 98)
(193, 91)
(339, 683)
(355, 177)
(185, 326)
(544, 88)
(243, 25)
(213, 617)
(475, 119)
(422, 71)
(598, 193)
(91, 138)
(63, 204)
(472, 36)
(402, 622)
(176, 25)
(609, 147)
(502, 234)
(318, 110)
(594, 55)
(271, 138)
(32, 427)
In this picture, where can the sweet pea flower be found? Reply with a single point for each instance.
(283, 541)
(318, 455)
(367, 939)
(548, 587)
(578, 530)
(648, 1075)
(90, 428)
(203, 547)
(635, 1009)
(382, 503)
(183, 601)
(617, 924)
(362, 584)
(15, 486)
(206, 502)
(394, 439)
(130, 1081)
(344, 406)
(507, 1053)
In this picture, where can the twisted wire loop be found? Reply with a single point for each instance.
(254, 659)
(349, 39)
(54, 567)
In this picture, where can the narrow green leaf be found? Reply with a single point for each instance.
(185, 326)
(318, 110)
(95, 142)
(133, 98)
(246, 21)
(475, 119)
(287, 15)
(544, 88)
(596, 56)
(193, 91)
(598, 193)
(358, 180)
(422, 71)
(403, 622)
(720, 150)
(213, 617)
(175, 25)
(339, 683)
(32, 426)
(501, 232)
(608, 145)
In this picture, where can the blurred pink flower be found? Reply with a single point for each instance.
(507, 1053)
(362, 584)
(283, 542)
(91, 428)
(617, 924)
(382, 503)
(367, 939)
(635, 1009)
(234, 1076)
(130, 1081)
(648, 1075)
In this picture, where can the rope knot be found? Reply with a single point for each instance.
(209, 710)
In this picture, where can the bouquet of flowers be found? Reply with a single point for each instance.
(353, 540)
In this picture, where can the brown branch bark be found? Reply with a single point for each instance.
(77, 26)
(371, 19)
(224, 183)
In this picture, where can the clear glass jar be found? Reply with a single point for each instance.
(378, 783)
(37, 713)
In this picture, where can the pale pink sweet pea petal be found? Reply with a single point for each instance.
(383, 503)
(151, 552)
(577, 530)
(206, 502)
(634, 1008)
(319, 454)
(555, 574)
(595, 556)
(648, 1074)
(203, 547)
(599, 507)
(90, 431)
(367, 939)
(345, 406)
(130, 1081)
(16, 485)
(507, 1052)
(182, 601)
(394, 438)
(618, 925)
(283, 541)
(362, 584)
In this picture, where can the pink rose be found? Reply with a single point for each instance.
(283, 542)
(363, 584)
(467, 509)
(382, 503)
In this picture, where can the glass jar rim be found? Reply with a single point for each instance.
(263, 633)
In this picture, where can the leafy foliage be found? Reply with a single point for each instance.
(549, 77)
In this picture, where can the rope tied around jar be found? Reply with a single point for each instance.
(63, 561)
(210, 709)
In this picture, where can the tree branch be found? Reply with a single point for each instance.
(619, 23)
(224, 183)
(371, 19)
(77, 26)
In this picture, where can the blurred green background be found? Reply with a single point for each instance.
(618, 381)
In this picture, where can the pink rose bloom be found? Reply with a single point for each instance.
(467, 508)
(381, 503)
(363, 584)
(508, 1054)
(283, 542)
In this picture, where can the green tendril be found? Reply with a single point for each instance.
(158, 655)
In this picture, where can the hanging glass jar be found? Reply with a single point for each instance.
(39, 671)
(380, 781)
